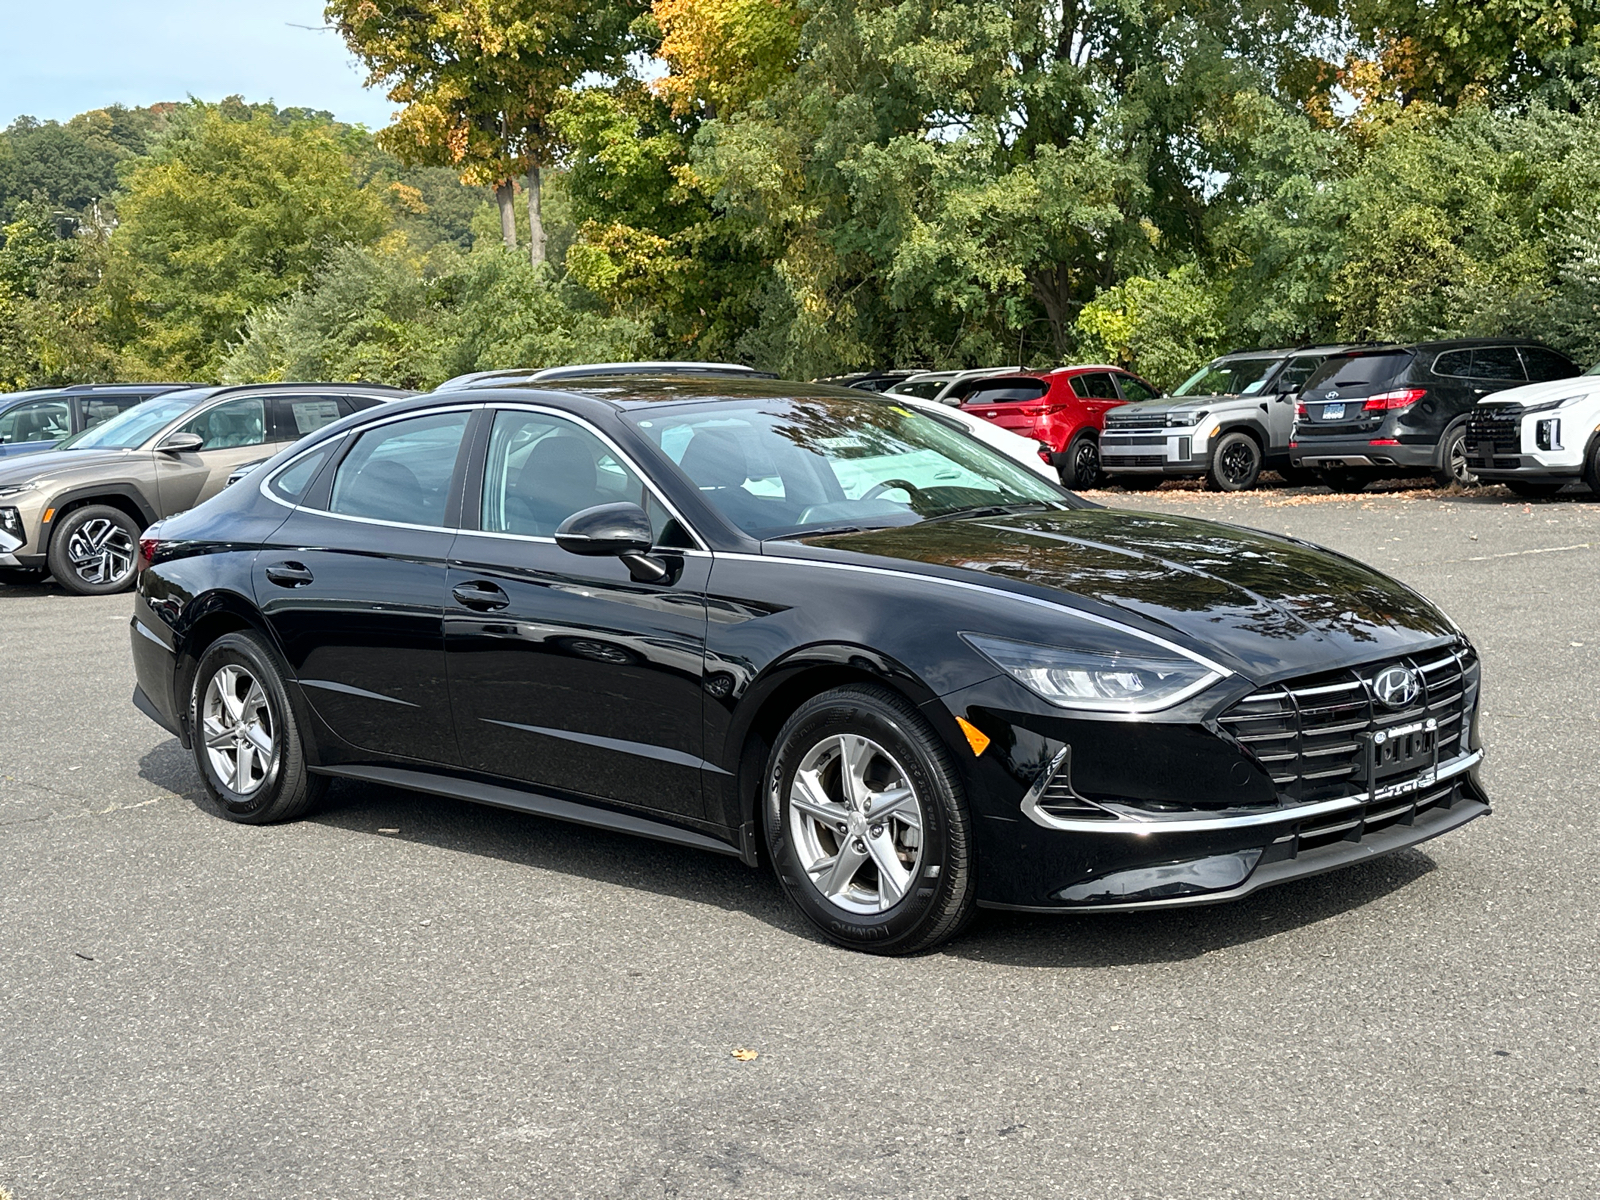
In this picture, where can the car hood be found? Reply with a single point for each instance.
(58, 463)
(1166, 404)
(1538, 393)
(1274, 605)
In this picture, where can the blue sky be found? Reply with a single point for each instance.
(58, 59)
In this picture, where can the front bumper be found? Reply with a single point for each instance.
(1177, 452)
(1359, 452)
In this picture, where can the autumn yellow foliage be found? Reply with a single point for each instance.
(724, 54)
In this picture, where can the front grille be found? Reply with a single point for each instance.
(1113, 443)
(1312, 734)
(1137, 421)
(1132, 460)
(1493, 433)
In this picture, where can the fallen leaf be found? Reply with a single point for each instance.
(744, 1055)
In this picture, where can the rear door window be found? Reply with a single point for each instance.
(401, 471)
(1499, 363)
(297, 416)
(1544, 365)
(1134, 389)
(1097, 385)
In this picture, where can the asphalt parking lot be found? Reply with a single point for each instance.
(406, 996)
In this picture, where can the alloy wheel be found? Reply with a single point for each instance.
(100, 551)
(856, 823)
(1236, 463)
(1459, 471)
(1086, 463)
(236, 723)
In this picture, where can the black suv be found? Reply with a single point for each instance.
(1402, 410)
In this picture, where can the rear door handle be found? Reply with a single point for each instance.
(479, 595)
(289, 574)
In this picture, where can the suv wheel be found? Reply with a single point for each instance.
(94, 550)
(866, 824)
(246, 741)
(1235, 463)
(1591, 466)
(1080, 465)
(1452, 466)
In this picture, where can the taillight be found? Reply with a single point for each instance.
(1042, 410)
(1399, 398)
(1300, 411)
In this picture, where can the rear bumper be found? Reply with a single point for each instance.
(155, 669)
(1360, 452)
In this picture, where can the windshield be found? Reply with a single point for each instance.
(927, 389)
(776, 467)
(1594, 370)
(1229, 377)
(131, 429)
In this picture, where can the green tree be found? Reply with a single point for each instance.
(479, 79)
(51, 310)
(230, 212)
(1162, 327)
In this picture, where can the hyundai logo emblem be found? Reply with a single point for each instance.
(1396, 687)
(1334, 395)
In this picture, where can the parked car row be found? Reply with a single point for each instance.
(1341, 414)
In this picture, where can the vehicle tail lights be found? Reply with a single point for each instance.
(149, 547)
(1397, 399)
(1300, 411)
(1384, 442)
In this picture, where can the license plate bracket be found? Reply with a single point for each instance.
(1333, 412)
(1402, 759)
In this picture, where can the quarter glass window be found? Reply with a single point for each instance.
(1497, 362)
(292, 484)
(1135, 390)
(401, 472)
(1545, 365)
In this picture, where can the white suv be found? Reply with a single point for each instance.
(1538, 438)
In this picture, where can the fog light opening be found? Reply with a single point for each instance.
(1196, 876)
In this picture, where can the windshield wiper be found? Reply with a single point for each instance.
(819, 531)
(990, 510)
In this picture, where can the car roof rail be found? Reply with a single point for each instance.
(528, 375)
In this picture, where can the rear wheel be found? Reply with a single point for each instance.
(94, 550)
(1533, 490)
(1235, 463)
(1452, 466)
(1080, 466)
(866, 823)
(246, 741)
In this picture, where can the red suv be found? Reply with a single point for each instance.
(1063, 410)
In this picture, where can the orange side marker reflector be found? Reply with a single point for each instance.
(48, 513)
(976, 738)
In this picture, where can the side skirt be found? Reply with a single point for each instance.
(530, 802)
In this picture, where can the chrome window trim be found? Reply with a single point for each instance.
(1093, 618)
(1140, 828)
(622, 457)
(387, 420)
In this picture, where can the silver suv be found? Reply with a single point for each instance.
(77, 511)
(1229, 421)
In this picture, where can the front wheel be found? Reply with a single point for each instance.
(1452, 466)
(246, 740)
(1235, 463)
(866, 823)
(94, 550)
(1080, 466)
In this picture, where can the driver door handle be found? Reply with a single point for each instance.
(480, 595)
(289, 574)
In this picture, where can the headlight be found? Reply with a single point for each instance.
(1110, 669)
(1561, 403)
(1186, 419)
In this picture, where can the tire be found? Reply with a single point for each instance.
(1342, 479)
(265, 751)
(928, 893)
(1235, 463)
(1533, 490)
(20, 576)
(1080, 465)
(1138, 483)
(94, 551)
(1591, 466)
(1452, 466)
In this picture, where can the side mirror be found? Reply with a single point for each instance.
(622, 530)
(180, 443)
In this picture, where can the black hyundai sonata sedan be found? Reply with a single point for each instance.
(803, 625)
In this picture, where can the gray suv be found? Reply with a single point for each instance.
(76, 512)
(1229, 421)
